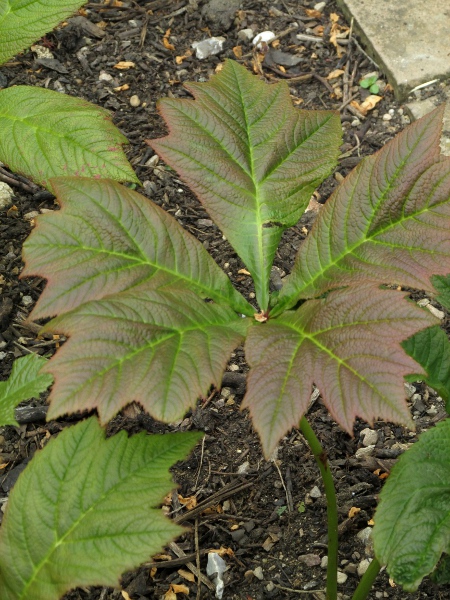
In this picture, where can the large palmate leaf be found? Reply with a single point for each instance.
(85, 510)
(431, 349)
(348, 344)
(412, 522)
(163, 349)
(387, 223)
(252, 159)
(24, 21)
(442, 285)
(25, 382)
(107, 239)
(47, 134)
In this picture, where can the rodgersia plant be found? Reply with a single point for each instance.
(150, 317)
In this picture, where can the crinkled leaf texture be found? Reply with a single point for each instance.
(131, 287)
(85, 510)
(412, 522)
(23, 22)
(252, 159)
(348, 344)
(431, 349)
(25, 382)
(442, 284)
(387, 223)
(47, 134)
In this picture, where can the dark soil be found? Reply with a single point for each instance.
(261, 511)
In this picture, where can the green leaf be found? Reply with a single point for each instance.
(442, 285)
(431, 349)
(441, 576)
(106, 239)
(47, 134)
(348, 345)
(367, 82)
(162, 349)
(412, 521)
(388, 222)
(25, 382)
(374, 89)
(24, 21)
(84, 511)
(251, 158)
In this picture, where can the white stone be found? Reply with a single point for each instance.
(104, 76)
(135, 101)
(315, 492)
(369, 437)
(324, 562)
(341, 577)
(245, 35)
(363, 566)
(387, 117)
(435, 311)
(208, 47)
(258, 573)
(320, 6)
(361, 452)
(6, 195)
(264, 36)
(365, 534)
(27, 300)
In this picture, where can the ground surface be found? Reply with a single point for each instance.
(262, 511)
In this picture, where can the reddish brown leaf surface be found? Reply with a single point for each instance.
(348, 345)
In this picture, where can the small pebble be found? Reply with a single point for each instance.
(245, 35)
(363, 566)
(435, 311)
(365, 534)
(104, 76)
(315, 492)
(310, 560)
(409, 390)
(135, 101)
(265, 36)
(387, 117)
(31, 215)
(233, 367)
(209, 47)
(341, 577)
(205, 223)
(3, 355)
(361, 452)
(432, 411)
(356, 123)
(324, 562)
(320, 6)
(6, 195)
(369, 437)
(270, 586)
(258, 573)
(27, 300)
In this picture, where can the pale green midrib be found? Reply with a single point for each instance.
(361, 242)
(264, 291)
(142, 262)
(68, 140)
(55, 545)
(303, 141)
(341, 363)
(149, 346)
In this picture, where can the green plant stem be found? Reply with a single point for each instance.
(366, 583)
(330, 493)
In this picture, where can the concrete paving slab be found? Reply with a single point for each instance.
(409, 39)
(420, 108)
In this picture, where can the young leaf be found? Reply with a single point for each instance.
(412, 526)
(163, 349)
(442, 285)
(431, 349)
(251, 158)
(348, 344)
(84, 511)
(25, 382)
(387, 223)
(21, 23)
(55, 134)
(106, 239)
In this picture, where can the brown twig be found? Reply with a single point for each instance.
(179, 552)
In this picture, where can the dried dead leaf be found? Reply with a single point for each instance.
(180, 588)
(371, 522)
(244, 272)
(170, 594)
(180, 59)
(336, 73)
(369, 104)
(261, 317)
(186, 575)
(153, 572)
(190, 502)
(315, 14)
(222, 551)
(125, 64)
(125, 595)
(162, 557)
(237, 51)
(122, 88)
(166, 42)
(353, 512)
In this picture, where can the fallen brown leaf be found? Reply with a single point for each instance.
(125, 64)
